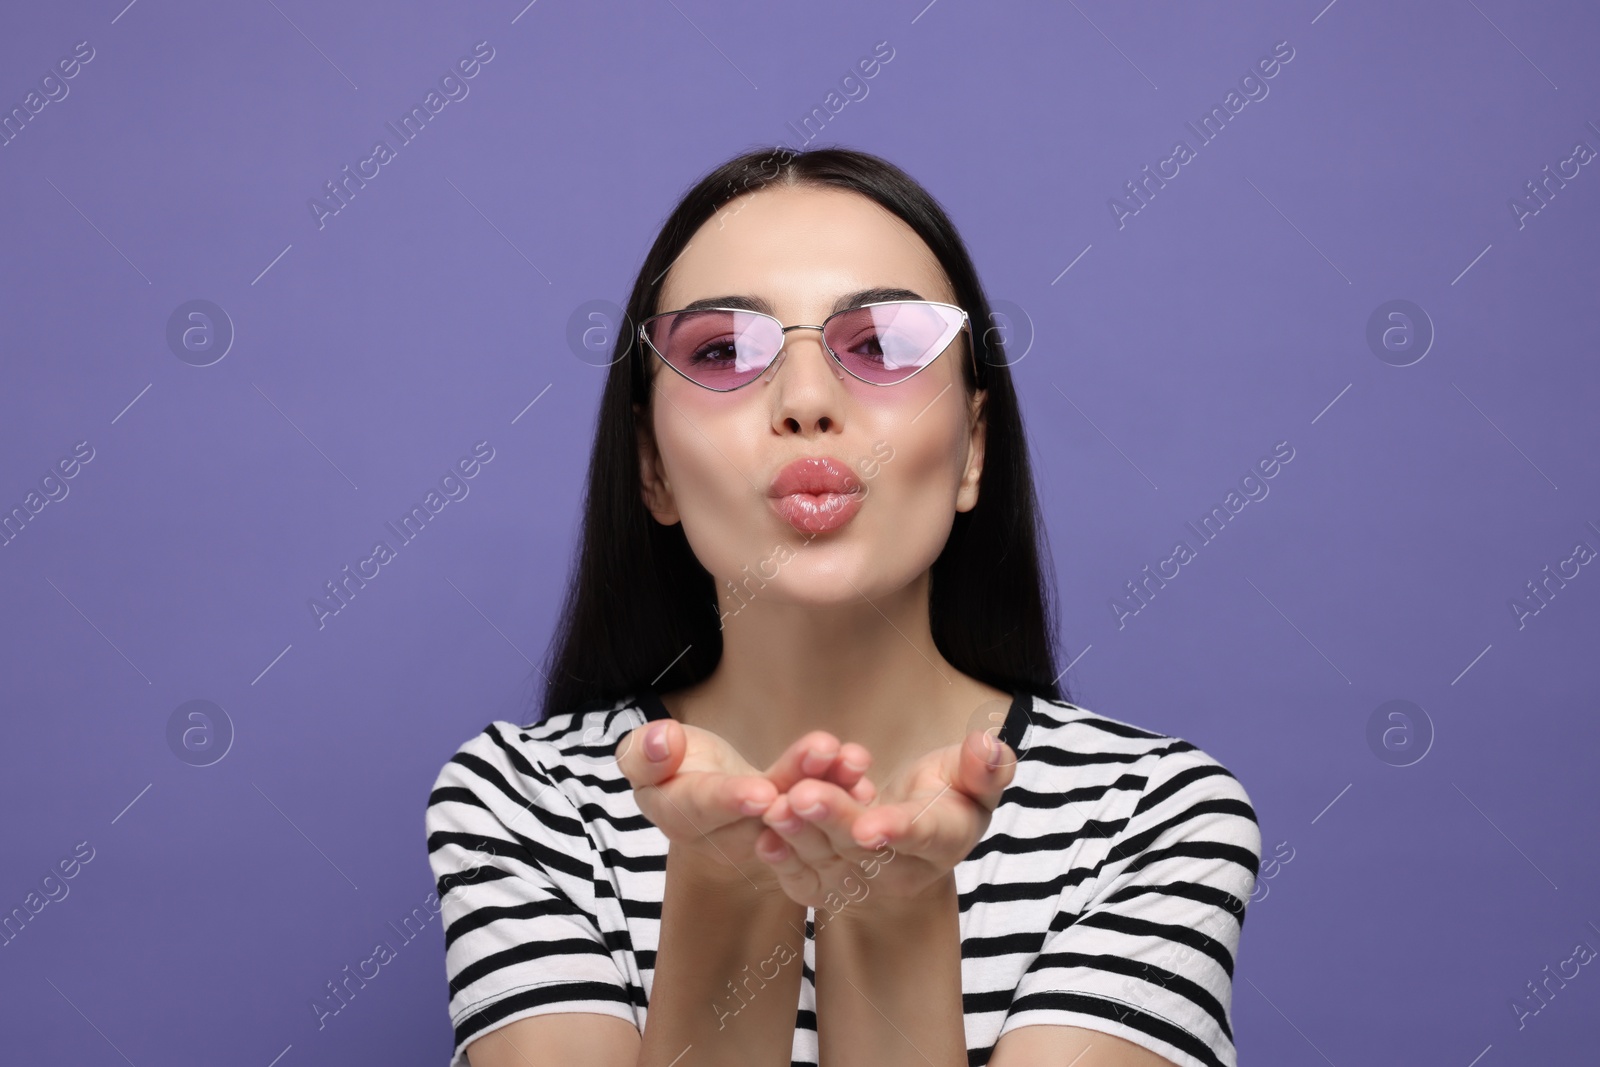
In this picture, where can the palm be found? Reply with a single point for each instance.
(708, 799)
(926, 799)
(930, 814)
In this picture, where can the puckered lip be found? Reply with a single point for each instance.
(814, 474)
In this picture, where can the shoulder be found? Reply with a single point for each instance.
(1165, 780)
(572, 751)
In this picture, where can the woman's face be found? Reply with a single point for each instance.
(916, 448)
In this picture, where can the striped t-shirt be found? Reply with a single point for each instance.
(1107, 892)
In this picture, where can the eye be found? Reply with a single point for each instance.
(718, 351)
(877, 343)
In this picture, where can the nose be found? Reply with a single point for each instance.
(806, 396)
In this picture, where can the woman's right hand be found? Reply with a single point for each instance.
(709, 800)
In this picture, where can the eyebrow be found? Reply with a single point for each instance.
(756, 303)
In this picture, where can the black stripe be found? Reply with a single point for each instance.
(981, 948)
(1187, 988)
(650, 703)
(1204, 850)
(485, 914)
(1126, 924)
(1137, 843)
(1057, 756)
(526, 849)
(616, 783)
(641, 909)
(618, 861)
(982, 1002)
(1201, 894)
(458, 794)
(1119, 729)
(592, 813)
(518, 850)
(490, 1014)
(1011, 845)
(1002, 892)
(469, 876)
(524, 953)
(520, 761)
(1127, 1014)
(1018, 717)
(1029, 798)
(1177, 782)
(491, 774)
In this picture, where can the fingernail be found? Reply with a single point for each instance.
(655, 742)
(752, 807)
(788, 826)
(814, 762)
(814, 811)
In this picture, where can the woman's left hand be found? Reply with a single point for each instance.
(930, 817)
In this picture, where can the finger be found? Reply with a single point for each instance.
(796, 877)
(651, 753)
(830, 814)
(864, 792)
(922, 826)
(986, 766)
(713, 800)
(850, 767)
(807, 845)
(811, 755)
(925, 826)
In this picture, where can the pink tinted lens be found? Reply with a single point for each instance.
(718, 349)
(888, 343)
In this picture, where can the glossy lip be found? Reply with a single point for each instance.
(816, 494)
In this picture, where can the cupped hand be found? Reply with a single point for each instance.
(708, 799)
(820, 836)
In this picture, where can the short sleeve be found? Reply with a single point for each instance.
(516, 874)
(1147, 954)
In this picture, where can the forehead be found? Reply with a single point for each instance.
(800, 248)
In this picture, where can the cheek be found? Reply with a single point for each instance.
(715, 499)
(916, 488)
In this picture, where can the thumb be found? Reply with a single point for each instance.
(652, 753)
(984, 771)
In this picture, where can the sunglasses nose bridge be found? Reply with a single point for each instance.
(783, 350)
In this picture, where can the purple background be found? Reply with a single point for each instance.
(1229, 314)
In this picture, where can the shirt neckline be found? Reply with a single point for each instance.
(1016, 724)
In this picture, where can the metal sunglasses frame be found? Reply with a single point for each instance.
(966, 326)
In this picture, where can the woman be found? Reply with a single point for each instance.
(809, 552)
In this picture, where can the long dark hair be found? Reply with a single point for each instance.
(641, 612)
